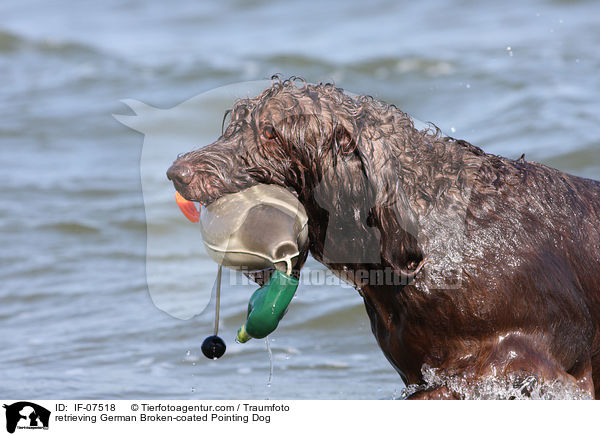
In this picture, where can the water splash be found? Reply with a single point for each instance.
(496, 388)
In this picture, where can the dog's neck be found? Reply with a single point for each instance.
(367, 213)
(431, 170)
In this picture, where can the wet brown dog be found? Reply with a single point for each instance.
(473, 264)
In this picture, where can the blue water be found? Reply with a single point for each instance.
(76, 317)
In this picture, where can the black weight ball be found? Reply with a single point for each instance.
(213, 347)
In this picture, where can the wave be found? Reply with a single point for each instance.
(378, 66)
(70, 227)
(387, 66)
(12, 42)
(8, 41)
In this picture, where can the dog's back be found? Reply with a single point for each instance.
(526, 258)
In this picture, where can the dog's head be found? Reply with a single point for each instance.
(320, 143)
(288, 136)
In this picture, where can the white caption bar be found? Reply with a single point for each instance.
(101, 417)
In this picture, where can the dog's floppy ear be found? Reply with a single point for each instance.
(392, 213)
(398, 240)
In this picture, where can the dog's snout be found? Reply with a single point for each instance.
(180, 173)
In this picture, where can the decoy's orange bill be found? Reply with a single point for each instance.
(188, 208)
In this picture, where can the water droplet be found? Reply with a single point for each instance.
(270, 362)
(452, 129)
(468, 85)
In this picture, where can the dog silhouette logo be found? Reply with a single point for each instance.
(26, 415)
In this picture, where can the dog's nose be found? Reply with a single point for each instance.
(180, 173)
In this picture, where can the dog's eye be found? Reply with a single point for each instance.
(269, 132)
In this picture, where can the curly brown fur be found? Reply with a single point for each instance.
(496, 262)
